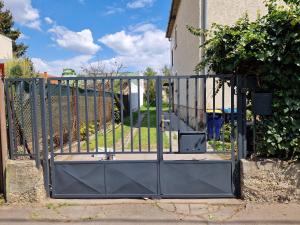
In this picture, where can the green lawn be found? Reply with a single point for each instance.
(118, 133)
(144, 132)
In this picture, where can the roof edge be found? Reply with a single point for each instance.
(2, 35)
(172, 17)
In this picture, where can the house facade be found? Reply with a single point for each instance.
(185, 51)
(6, 52)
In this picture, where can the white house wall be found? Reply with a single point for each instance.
(134, 97)
(186, 53)
(6, 51)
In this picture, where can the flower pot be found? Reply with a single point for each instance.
(262, 104)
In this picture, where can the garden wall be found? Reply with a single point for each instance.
(24, 182)
(270, 181)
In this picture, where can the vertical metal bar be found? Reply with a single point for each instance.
(178, 107)
(113, 115)
(14, 120)
(10, 128)
(170, 132)
(187, 102)
(214, 113)
(205, 107)
(223, 113)
(254, 134)
(36, 138)
(77, 116)
(232, 136)
(86, 116)
(139, 116)
(49, 87)
(104, 115)
(44, 135)
(241, 107)
(148, 112)
(49, 90)
(196, 104)
(60, 118)
(31, 97)
(159, 131)
(95, 114)
(69, 116)
(22, 115)
(131, 116)
(122, 113)
(159, 119)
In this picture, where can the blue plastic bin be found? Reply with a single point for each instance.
(214, 123)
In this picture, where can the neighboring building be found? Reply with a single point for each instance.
(69, 73)
(6, 51)
(137, 101)
(46, 76)
(185, 51)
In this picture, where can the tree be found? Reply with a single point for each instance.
(166, 71)
(102, 69)
(6, 28)
(150, 86)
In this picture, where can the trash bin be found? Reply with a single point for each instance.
(214, 123)
(227, 112)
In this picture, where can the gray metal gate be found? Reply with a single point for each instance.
(127, 137)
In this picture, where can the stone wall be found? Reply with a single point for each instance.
(24, 182)
(270, 181)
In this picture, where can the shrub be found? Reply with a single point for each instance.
(17, 68)
(268, 48)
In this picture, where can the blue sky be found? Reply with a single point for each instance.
(78, 33)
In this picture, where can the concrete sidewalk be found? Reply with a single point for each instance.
(226, 211)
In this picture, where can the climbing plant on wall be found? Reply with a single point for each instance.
(268, 48)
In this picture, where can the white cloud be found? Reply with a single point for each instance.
(142, 27)
(23, 37)
(142, 46)
(110, 10)
(48, 20)
(23, 13)
(140, 4)
(56, 67)
(81, 41)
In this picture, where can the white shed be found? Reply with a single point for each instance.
(134, 94)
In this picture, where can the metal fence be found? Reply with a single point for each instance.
(72, 111)
(93, 116)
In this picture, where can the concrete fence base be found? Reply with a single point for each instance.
(24, 182)
(270, 181)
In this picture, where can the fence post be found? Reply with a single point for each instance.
(44, 135)
(241, 120)
(3, 137)
(159, 135)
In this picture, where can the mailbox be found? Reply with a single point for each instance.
(192, 142)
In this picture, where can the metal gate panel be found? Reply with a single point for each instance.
(105, 179)
(131, 178)
(78, 179)
(196, 178)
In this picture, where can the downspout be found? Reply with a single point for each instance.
(203, 26)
